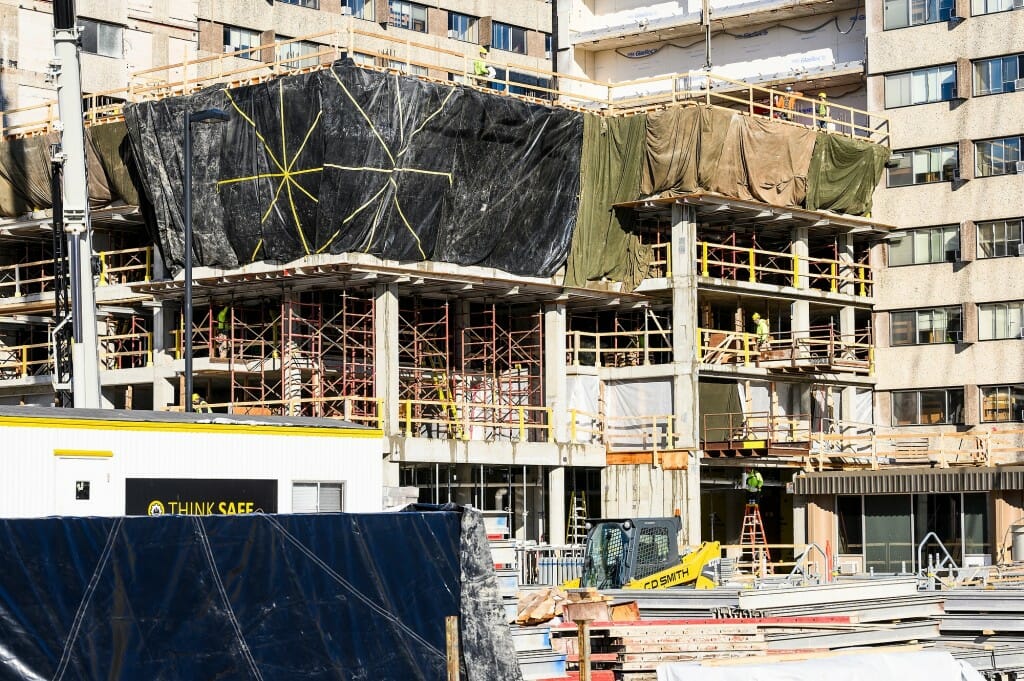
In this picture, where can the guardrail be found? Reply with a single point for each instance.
(362, 410)
(381, 51)
(877, 450)
(619, 348)
(116, 267)
(816, 347)
(129, 265)
(739, 427)
(118, 351)
(460, 420)
(758, 266)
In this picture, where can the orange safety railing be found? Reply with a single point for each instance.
(126, 351)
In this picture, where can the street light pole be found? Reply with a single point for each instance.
(208, 116)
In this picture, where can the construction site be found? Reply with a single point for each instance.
(548, 298)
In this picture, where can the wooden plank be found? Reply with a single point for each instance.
(628, 458)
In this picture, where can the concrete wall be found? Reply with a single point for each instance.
(642, 490)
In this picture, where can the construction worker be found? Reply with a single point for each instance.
(199, 405)
(761, 332)
(821, 110)
(222, 332)
(480, 68)
(785, 103)
(752, 483)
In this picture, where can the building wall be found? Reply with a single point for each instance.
(37, 483)
(973, 280)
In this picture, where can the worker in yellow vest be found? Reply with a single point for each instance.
(761, 332)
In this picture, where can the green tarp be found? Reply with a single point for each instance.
(602, 243)
(843, 174)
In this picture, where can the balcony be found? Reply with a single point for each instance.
(820, 349)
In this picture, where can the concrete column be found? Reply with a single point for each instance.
(800, 316)
(556, 389)
(385, 353)
(847, 317)
(291, 375)
(799, 519)
(684, 359)
(557, 512)
(164, 391)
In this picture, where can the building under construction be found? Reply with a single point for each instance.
(545, 301)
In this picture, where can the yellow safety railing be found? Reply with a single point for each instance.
(716, 346)
(22, 361)
(586, 427)
(661, 262)
(384, 51)
(478, 420)
(743, 427)
(126, 266)
(758, 266)
(619, 348)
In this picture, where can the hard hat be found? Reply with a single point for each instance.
(789, 88)
(756, 316)
(195, 397)
(821, 94)
(483, 50)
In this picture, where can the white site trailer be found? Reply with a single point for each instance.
(91, 462)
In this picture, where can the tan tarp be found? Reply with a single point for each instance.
(702, 148)
(602, 244)
(25, 170)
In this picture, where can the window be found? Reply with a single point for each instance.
(934, 84)
(997, 157)
(462, 27)
(318, 497)
(312, 4)
(990, 6)
(999, 238)
(920, 166)
(994, 76)
(924, 327)
(903, 13)
(402, 67)
(921, 246)
(1000, 320)
(361, 9)
(927, 407)
(99, 37)
(296, 54)
(547, 45)
(508, 38)
(1002, 403)
(407, 15)
(236, 39)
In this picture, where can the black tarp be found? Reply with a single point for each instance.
(333, 596)
(351, 160)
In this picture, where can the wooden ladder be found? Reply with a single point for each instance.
(754, 542)
(576, 529)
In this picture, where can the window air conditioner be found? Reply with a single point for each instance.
(1018, 85)
(1020, 334)
(1018, 4)
(346, 11)
(1019, 167)
(955, 175)
(453, 34)
(1020, 252)
(547, 54)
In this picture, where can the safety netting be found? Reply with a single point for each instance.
(351, 160)
(250, 597)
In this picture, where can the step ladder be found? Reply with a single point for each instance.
(753, 543)
(445, 395)
(576, 527)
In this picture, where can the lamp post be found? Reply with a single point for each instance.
(204, 116)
